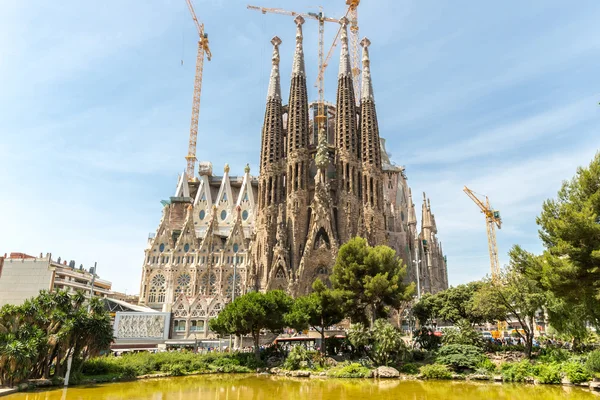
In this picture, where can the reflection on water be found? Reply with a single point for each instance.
(258, 387)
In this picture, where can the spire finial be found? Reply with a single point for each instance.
(226, 169)
(247, 169)
(345, 69)
(274, 92)
(298, 65)
(367, 86)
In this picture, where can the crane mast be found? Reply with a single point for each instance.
(492, 220)
(352, 16)
(202, 49)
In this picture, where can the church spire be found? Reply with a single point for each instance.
(272, 137)
(371, 149)
(274, 92)
(298, 64)
(345, 69)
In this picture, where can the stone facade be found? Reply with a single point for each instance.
(322, 181)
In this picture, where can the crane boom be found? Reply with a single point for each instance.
(202, 49)
(493, 220)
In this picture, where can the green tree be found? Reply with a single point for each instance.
(46, 330)
(570, 231)
(515, 294)
(372, 279)
(252, 312)
(319, 309)
(455, 304)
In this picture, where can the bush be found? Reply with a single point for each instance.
(353, 370)
(465, 334)
(296, 357)
(176, 369)
(435, 371)
(549, 373)
(409, 368)
(460, 356)
(576, 372)
(516, 372)
(426, 339)
(553, 354)
(593, 362)
(485, 364)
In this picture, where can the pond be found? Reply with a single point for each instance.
(257, 387)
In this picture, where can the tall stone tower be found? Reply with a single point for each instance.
(347, 145)
(372, 176)
(271, 190)
(298, 157)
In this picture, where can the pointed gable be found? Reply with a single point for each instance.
(183, 189)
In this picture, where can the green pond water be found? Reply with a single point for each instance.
(258, 387)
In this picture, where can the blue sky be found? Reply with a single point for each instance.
(95, 108)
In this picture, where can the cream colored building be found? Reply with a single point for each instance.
(23, 276)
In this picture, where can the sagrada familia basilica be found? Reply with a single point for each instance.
(318, 186)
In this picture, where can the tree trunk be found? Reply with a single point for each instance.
(256, 337)
(322, 340)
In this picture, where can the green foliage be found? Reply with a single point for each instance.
(346, 370)
(465, 334)
(454, 304)
(516, 372)
(593, 362)
(250, 313)
(549, 373)
(516, 294)
(320, 309)
(435, 371)
(426, 340)
(371, 278)
(570, 230)
(409, 368)
(460, 356)
(44, 330)
(173, 363)
(383, 343)
(485, 364)
(553, 354)
(576, 372)
(297, 358)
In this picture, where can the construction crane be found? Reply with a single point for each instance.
(202, 49)
(352, 16)
(492, 220)
(322, 19)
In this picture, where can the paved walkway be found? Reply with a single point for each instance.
(7, 391)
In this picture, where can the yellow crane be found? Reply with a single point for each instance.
(202, 49)
(492, 220)
(322, 19)
(352, 16)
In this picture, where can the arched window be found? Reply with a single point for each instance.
(156, 286)
(196, 326)
(322, 270)
(183, 285)
(280, 274)
(179, 326)
(209, 283)
(215, 311)
(161, 295)
(152, 295)
(229, 290)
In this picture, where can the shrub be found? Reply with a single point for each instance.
(435, 371)
(426, 340)
(485, 364)
(553, 354)
(460, 356)
(593, 362)
(576, 372)
(295, 358)
(409, 368)
(549, 373)
(354, 370)
(465, 334)
(516, 372)
(176, 369)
